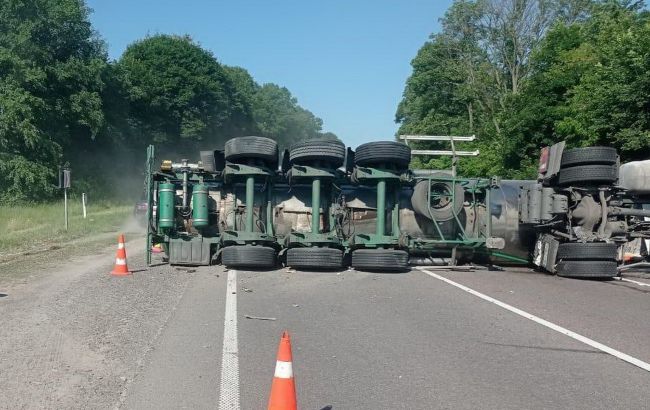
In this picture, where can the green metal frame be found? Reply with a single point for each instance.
(383, 179)
(249, 174)
(475, 187)
(386, 180)
(316, 175)
(152, 180)
(149, 186)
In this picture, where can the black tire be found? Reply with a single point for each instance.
(587, 251)
(248, 256)
(441, 211)
(589, 156)
(307, 152)
(383, 153)
(315, 258)
(388, 260)
(587, 269)
(262, 148)
(588, 175)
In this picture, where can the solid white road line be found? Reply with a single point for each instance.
(635, 282)
(632, 360)
(229, 395)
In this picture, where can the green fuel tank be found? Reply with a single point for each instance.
(166, 199)
(200, 206)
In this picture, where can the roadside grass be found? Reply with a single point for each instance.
(40, 227)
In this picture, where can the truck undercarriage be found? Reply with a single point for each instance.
(323, 206)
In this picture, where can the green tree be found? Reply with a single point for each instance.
(532, 115)
(51, 79)
(277, 115)
(466, 76)
(178, 94)
(273, 111)
(611, 103)
(244, 89)
(62, 101)
(589, 87)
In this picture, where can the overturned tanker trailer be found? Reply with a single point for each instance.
(326, 207)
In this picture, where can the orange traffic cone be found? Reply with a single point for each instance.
(283, 390)
(120, 269)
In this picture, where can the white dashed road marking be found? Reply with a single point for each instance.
(632, 360)
(229, 394)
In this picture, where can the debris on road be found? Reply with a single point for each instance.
(259, 317)
(187, 270)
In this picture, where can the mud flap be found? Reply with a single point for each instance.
(189, 251)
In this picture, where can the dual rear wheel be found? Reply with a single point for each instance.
(388, 260)
(315, 258)
(249, 256)
(588, 166)
(587, 260)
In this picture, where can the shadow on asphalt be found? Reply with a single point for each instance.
(308, 270)
(556, 349)
(153, 265)
(628, 285)
(3, 295)
(382, 272)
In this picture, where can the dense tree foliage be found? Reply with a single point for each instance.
(521, 74)
(51, 79)
(277, 112)
(62, 101)
(177, 92)
(274, 111)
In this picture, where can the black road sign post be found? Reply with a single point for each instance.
(64, 183)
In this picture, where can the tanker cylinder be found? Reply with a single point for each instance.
(166, 201)
(200, 206)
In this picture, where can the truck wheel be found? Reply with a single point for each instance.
(315, 258)
(589, 156)
(587, 269)
(388, 260)
(248, 256)
(587, 251)
(588, 175)
(440, 206)
(383, 153)
(252, 147)
(306, 152)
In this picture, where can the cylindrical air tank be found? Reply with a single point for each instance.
(166, 197)
(200, 206)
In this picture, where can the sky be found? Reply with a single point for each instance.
(345, 60)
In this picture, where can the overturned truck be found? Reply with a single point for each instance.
(322, 206)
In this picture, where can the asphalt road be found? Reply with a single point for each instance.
(79, 338)
(406, 341)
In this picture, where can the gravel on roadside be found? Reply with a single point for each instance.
(74, 336)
